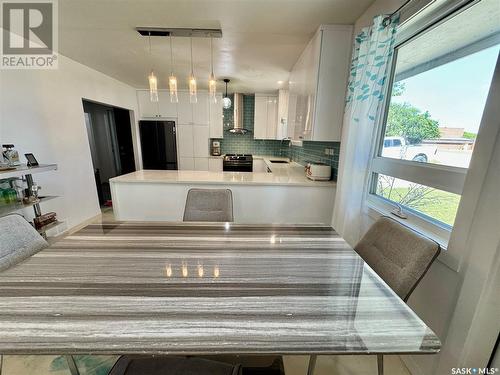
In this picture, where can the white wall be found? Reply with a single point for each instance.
(41, 112)
(443, 296)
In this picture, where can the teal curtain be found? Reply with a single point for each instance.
(372, 53)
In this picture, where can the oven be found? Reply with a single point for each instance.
(237, 163)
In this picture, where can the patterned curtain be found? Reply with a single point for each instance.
(372, 53)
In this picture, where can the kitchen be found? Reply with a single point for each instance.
(246, 142)
(344, 152)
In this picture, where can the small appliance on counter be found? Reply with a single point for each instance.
(215, 149)
(318, 171)
(10, 156)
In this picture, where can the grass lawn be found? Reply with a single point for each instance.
(439, 205)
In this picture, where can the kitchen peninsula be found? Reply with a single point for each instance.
(283, 196)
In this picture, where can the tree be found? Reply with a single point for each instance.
(407, 121)
(470, 135)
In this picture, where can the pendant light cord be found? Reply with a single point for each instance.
(171, 57)
(211, 56)
(150, 53)
(149, 41)
(192, 71)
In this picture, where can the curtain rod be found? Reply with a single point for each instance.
(389, 17)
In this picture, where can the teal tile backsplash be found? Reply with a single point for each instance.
(246, 144)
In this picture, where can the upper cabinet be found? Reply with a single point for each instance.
(187, 113)
(265, 116)
(162, 108)
(216, 118)
(281, 127)
(317, 86)
(193, 113)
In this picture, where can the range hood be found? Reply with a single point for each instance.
(238, 115)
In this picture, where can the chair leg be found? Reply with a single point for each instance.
(380, 364)
(73, 369)
(312, 364)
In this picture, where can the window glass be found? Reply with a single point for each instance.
(439, 205)
(441, 84)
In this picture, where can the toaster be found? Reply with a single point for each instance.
(318, 171)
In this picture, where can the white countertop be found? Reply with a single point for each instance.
(282, 174)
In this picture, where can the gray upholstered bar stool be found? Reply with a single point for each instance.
(209, 205)
(18, 240)
(399, 255)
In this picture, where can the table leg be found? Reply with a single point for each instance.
(312, 364)
(380, 364)
(73, 369)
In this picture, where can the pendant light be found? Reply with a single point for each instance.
(212, 82)
(226, 102)
(172, 79)
(192, 79)
(153, 81)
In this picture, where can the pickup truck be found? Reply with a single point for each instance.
(397, 148)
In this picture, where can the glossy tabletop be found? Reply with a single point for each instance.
(203, 289)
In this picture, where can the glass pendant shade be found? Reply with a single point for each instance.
(226, 102)
(192, 89)
(212, 88)
(172, 85)
(153, 87)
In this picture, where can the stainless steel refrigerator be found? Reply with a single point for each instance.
(158, 143)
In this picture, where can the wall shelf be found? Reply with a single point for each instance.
(24, 170)
(9, 208)
(47, 227)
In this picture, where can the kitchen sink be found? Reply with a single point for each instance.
(279, 161)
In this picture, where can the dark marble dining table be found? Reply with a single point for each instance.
(184, 288)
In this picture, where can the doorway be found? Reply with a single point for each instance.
(110, 137)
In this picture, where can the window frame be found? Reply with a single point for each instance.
(442, 177)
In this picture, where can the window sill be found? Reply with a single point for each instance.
(376, 207)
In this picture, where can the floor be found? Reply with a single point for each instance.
(294, 365)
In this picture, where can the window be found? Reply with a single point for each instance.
(440, 83)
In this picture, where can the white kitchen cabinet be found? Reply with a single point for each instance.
(200, 109)
(259, 165)
(193, 113)
(184, 109)
(260, 117)
(318, 83)
(185, 143)
(215, 164)
(272, 117)
(147, 108)
(186, 163)
(165, 107)
(282, 125)
(216, 118)
(265, 116)
(200, 141)
(201, 164)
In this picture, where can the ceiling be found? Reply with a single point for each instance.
(261, 40)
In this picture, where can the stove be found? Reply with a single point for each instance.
(237, 163)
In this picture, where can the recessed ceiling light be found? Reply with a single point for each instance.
(280, 82)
